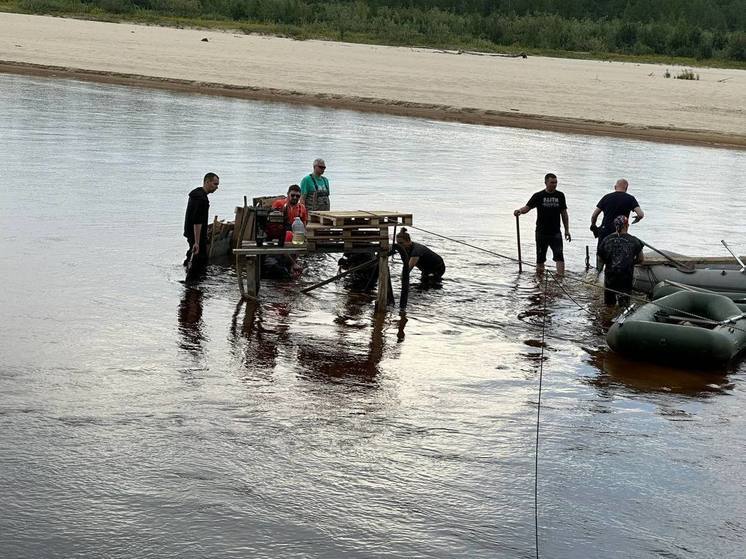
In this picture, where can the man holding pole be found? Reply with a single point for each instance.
(550, 206)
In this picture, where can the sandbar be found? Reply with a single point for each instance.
(622, 99)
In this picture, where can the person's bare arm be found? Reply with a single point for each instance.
(594, 215)
(197, 233)
(640, 258)
(413, 262)
(523, 210)
(639, 214)
(566, 223)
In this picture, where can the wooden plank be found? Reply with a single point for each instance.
(382, 298)
(249, 249)
(360, 218)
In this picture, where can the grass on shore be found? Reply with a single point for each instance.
(324, 32)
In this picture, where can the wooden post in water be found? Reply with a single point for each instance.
(382, 299)
(212, 237)
(587, 258)
(518, 236)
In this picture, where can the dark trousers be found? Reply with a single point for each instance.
(433, 276)
(196, 265)
(612, 298)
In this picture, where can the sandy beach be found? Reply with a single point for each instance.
(579, 96)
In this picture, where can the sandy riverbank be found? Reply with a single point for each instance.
(582, 96)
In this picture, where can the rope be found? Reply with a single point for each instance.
(558, 281)
(538, 418)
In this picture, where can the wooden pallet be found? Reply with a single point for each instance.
(342, 245)
(359, 218)
(319, 231)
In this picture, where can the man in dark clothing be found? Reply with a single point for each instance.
(429, 262)
(619, 252)
(195, 226)
(550, 206)
(613, 205)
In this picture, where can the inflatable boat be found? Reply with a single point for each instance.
(687, 328)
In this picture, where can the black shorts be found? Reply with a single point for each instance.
(549, 241)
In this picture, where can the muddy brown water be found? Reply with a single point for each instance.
(140, 417)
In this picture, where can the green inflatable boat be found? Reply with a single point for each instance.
(701, 330)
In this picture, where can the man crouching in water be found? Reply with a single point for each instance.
(430, 263)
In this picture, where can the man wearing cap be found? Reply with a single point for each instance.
(195, 225)
(619, 252)
(314, 188)
(550, 206)
(612, 205)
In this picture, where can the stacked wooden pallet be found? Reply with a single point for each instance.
(352, 229)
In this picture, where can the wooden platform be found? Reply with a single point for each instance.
(349, 231)
(360, 218)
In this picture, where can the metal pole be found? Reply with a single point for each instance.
(518, 236)
(340, 275)
(743, 267)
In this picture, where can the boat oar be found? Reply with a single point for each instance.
(743, 266)
(679, 266)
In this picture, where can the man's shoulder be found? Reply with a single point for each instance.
(279, 203)
(198, 192)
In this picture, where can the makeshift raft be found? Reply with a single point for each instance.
(687, 328)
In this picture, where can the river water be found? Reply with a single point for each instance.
(141, 418)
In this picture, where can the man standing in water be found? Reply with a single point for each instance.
(195, 226)
(613, 205)
(314, 188)
(550, 206)
(619, 252)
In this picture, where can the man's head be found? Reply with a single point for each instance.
(294, 194)
(403, 238)
(621, 185)
(550, 181)
(621, 224)
(319, 166)
(211, 182)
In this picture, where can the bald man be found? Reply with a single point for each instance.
(612, 206)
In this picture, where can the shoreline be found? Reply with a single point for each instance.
(464, 115)
(613, 99)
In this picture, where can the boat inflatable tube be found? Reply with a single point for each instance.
(700, 330)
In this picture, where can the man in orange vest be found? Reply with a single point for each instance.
(291, 207)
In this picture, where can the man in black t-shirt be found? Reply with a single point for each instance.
(195, 225)
(619, 252)
(613, 205)
(550, 206)
(428, 261)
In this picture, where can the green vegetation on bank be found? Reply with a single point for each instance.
(710, 31)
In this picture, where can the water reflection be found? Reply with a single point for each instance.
(256, 338)
(191, 334)
(616, 370)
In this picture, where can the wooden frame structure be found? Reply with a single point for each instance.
(331, 232)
